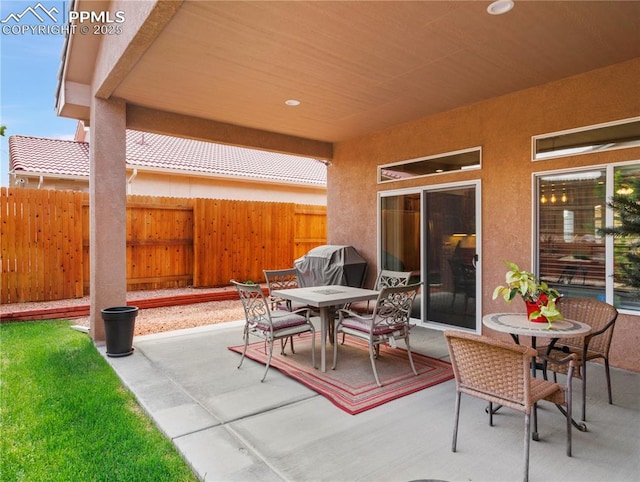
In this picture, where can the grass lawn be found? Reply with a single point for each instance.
(65, 416)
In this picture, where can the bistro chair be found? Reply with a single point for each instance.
(388, 322)
(500, 373)
(271, 325)
(601, 317)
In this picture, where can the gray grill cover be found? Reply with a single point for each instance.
(331, 265)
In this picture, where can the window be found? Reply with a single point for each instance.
(585, 140)
(451, 161)
(626, 249)
(400, 232)
(573, 253)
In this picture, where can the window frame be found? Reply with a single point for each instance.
(585, 129)
(609, 169)
(434, 157)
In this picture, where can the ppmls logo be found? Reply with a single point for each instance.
(36, 20)
(38, 11)
(39, 20)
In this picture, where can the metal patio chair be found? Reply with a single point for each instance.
(388, 322)
(385, 278)
(280, 279)
(271, 325)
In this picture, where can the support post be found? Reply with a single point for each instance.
(107, 208)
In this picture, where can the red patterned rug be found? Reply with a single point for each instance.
(351, 386)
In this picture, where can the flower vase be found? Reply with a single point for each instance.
(532, 307)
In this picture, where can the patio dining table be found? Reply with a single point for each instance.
(324, 297)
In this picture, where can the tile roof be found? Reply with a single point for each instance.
(155, 151)
(48, 156)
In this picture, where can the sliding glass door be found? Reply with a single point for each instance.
(432, 233)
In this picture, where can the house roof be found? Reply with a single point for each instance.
(48, 156)
(159, 152)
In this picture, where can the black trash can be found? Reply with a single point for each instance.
(119, 324)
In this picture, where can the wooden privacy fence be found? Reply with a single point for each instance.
(171, 242)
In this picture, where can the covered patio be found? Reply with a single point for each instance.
(360, 85)
(231, 427)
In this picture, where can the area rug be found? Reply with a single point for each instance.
(352, 386)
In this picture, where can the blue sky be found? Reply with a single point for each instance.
(28, 78)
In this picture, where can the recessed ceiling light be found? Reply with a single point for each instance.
(292, 102)
(500, 6)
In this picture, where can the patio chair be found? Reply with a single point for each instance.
(464, 281)
(385, 278)
(601, 317)
(500, 372)
(280, 279)
(388, 322)
(271, 325)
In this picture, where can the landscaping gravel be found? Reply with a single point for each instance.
(157, 320)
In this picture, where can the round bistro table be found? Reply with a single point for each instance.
(517, 324)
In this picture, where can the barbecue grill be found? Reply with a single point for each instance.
(331, 265)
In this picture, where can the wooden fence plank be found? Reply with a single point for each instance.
(36, 269)
(77, 236)
(8, 246)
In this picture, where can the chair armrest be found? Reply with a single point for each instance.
(570, 360)
(303, 311)
(601, 330)
(351, 314)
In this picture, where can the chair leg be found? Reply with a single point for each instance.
(608, 374)
(584, 390)
(534, 434)
(455, 422)
(244, 350)
(268, 360)
(373, 363)
(413, 367)
(335, 348)
(491, 412)
(569, 401)
(527, 438)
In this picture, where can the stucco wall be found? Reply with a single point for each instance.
(503, 127)
(198, 187)
(152, 184)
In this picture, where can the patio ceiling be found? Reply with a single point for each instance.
(356, 67)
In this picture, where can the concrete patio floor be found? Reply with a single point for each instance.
(231, 427)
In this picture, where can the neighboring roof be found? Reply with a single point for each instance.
(155, 151)
(49, 156)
